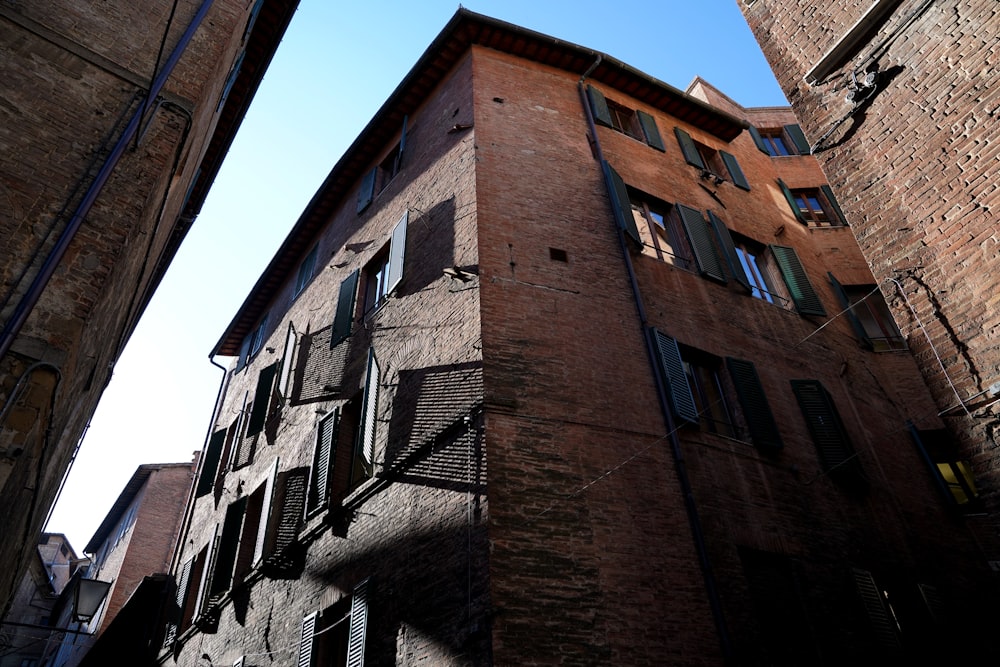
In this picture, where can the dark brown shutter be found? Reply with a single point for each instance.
(344, 318)
(213, 454)
(757, 411)
(262, 399)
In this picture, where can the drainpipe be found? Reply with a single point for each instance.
(20, 315)
(714, 601)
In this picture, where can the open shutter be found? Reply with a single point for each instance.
(344, 317)
(359, 625)
(213, 454)
(794, 133)
(803, 295)
(208, 566)
(756, 410)
(286, 517)
(367, 191)
(244, 445)
(675, 378)
(245, 351)
(936, 607)
(791, 201)
(402, 144)
(758, 140)
(306, 635)
(827, 431)
(859, 330)
(599, 107)
(832, 200)
(261, 399)
(397, 253)
(265, 515)
(621, 206)
(729, 249)
(369, 411)
(287, 361)
(689, 150)
(735, 173)
(180, 593)
(705, 253)
(648, 124)
(229, 542)
(879, 617)
(323, 458)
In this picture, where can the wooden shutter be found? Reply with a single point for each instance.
(239, 662)
(729, 250)
(246, 554)
(245, 350)
(344, 318)
(402, 144)
(621, 206)
(213, 454)
(367, 191)
(739, 180)
(261, 399)
(267, 510)
(229, 542)
(756, 409)
(397, 253)
(705, 253)
(652, 132)
(287, 361)
(323, 459)
(208, 567)
(879, 617)
(369, 411)
(306, 634)
(859, 329)
(803, 295)
(794, 133)
(286, 517)
(825, 428)
(936, 607)
(359, 624)
(675, 379)
(244, 445)
(180, 593)
(758, 140)
(688, 149)
(832, 201)
(599, 107)
(791, 201)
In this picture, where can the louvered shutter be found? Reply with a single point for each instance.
(756, 409)
(729, 250)
(344, 318)
(402, 144)
(287, 361)
(832, 201)
(369, 411)
(825, 428)
(675, 378)
(758, 140)
(367, 191)
(879, 617)
(286, 517)
(323, 458)
(261, 399)
(359, 624)
(244, 445)
(229, 542)
(652, 132)
(688, 149)
(935, 604)
(213, 454)
(859, 330)
(245, 351)
(397, 253)
(205, 587)
(306, 634)
(705, 252)
(791, 201)
(621, 206)
(267, 510)
(180, 593)
(735, 173)
(803, 295)
(239, 662)
(599, 107)
(794, 133)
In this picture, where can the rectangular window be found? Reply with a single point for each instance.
(305, 274)
(761, 271)
(634, 123)
(717, 166)
(869, 315)
(384, 273)
(710, 396)
(210, 465)
(335, 637)
(815, 207)
(252, 343)
(382, 174)
(660, 230)
(952, 476)
(781, 141)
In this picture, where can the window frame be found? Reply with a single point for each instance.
(307, 269)
(869, 314)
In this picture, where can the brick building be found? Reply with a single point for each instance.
(550, 372)
(113, 125)
(894, 98)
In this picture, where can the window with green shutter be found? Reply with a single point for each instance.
(756, 410)
(674, 376)
(833, 446)
(805, 298)
(702, 243)
(621, 206)
(715, 165)
(635, 123)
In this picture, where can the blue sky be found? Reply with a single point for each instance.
(337, 64)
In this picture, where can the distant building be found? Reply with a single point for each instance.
(553, 369)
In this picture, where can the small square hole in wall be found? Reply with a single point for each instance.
(558, 255)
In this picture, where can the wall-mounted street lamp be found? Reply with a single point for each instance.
(87, 599)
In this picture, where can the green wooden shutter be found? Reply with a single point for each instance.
(306, 634)
(649, 129)
(735, 173)
(262, 399)
(402, 144)
(245, 351)
(879, 617)
(599, 107)
(827, 431)
(806, 299)
(756, 409)
(705, 252)
(729, 250)
(344, 318)
(675, 379)
(621, 206)
(758, 140)
(832, 200)
(367, 191)
(229, 542)
(794, 133)
(213, 454)
(397, 253)
(690, 151)
(323, 458)
(359, 625)
(859, 330)
(791, 201)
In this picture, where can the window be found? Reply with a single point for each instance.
(952, 475)
(210, 463)
(775, 143)
(800, 289)
(660, 230)
(882, 618)
(252, 344)
(635, 123)
(305, 274)
(836, 455)
(336, 636)
(815, 207)
(384, 273)
(364, 452)
(381, 174)
(714, 410)
(287, 362)
(763, 277)
(869, 316)
(781, 141)
(324, 458)
(262, 400)
(714, 164)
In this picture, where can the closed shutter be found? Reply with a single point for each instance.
(758, 140)
(621, 206)
(735, 173)
(791, 201)
(879, 617)
(213, 454)
(344, 318)
(397, 253)
(833, 447)
(229, 542)
(369, 411)
(794, 133)
(729, 249)
(652, 132)
(367, 191)
(599, 107)
(756, 409)
(359, 624)
(705, 253)
(306, 634)
(803, 295)
(859, 330)
(832, 201)
(323, 458)
(675, 378)
(688, 149)
(262, 399)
